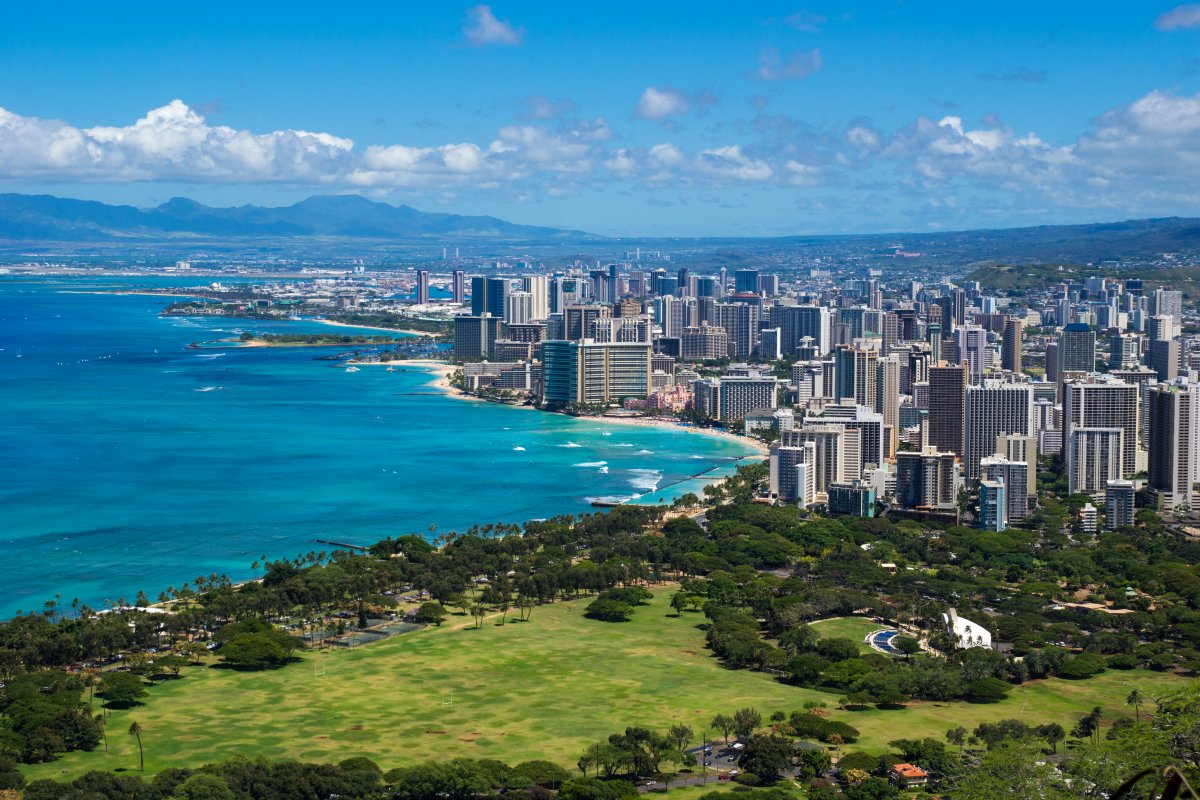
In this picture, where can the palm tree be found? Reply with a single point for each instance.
(135, 730)
(1134, 698)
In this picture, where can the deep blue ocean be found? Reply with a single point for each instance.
(129, 461)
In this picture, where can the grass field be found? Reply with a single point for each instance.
(539, 689)
(853, 628)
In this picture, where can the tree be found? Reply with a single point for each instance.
(768, 757)
(252, 651)
(122, 689)
(1088, 726)
(1053, 733)
(724, 724)
(1014, 769)
(907, 645)
(135, 730)
(1135, 700)
(745, 722)
(957, 736)
(679, 602)
(431, 613)
(679, 735)
(608, 610)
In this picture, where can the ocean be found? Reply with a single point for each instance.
(130, 462)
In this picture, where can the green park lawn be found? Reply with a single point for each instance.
(545, 688)
(853, 628)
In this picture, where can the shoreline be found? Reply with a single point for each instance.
(444, 370)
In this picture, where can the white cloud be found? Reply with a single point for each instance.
(660, 103)
(730, 162)
(483, 28)
(805, 21)
(774, 67)
(1185, 16)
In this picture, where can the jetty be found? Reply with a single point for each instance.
(344, 545)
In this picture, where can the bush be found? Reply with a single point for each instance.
(1084, 665)
(986, 690)
(1123, 661)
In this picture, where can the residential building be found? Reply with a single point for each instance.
(855, 498)
(947, 407)
(590, 372)
(704, 343)
(1104, 402)
(487, 296)
(1093, 458)
(927, 479)
(993, 409)
(1119, 504)
(1174, 443)
(474, 336)
(993, 505)
(1010, 352)
(1077, 348)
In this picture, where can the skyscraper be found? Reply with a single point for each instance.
(745, 281)
(538, 287)
(1093, 459)
(589, 372)
(991, 410)
(972, 342)
(856, 375)
(1104, 403)
(487, 296)
(422, 287)
(1118, 503)
(1010, 353)
(1174, 443)
(947, 391)
(458, 287)
(1077, 348)
(928, 479)
(797, 322)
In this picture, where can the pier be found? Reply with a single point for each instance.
(344, 545)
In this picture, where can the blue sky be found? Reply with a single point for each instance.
(620, 118)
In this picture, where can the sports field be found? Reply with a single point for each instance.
(539, 689)
(853, 628)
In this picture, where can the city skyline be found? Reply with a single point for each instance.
(808, 120)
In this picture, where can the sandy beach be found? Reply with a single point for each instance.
(444, 370)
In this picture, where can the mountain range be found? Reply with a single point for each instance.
(26, 217)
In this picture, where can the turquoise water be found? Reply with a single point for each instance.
(129, 461)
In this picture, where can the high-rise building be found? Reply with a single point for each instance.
(538, 287)
(1104, 403)
(795, 323)
(972, 343)
(887, 399)
(745, 281)
(837, 453)
(518, 308)
(578, 320)
(856, 375)
(870, 425)
(793, 472)
(1174, 443)
(1077, 348)
(1016, 478)
(993, 409)
(768, 344)
(1118, 504)
(475, 336)
(1010, 353)
(1125, 351)
(1164, 358)
(1094, 458)
(487, 296)
(458, 287)
(856, 498)
(704, 343)
(947, 409)
(1168, 302)
(740, 321)
(741, 395)
(1160, 327)
(993, 505)
(590, 372)
(927, 479)
(422, 287)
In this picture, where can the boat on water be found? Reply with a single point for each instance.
(391, 369)
(351, 368)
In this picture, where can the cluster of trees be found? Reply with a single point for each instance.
(357, 777)
(317, 338)
(636, 752)
(254, 644)
(618, 605)
(43, 713)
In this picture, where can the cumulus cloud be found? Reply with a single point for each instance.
(659, 104)
(772, 66)
(483, 28)
(1185, 16)
(1143, 158)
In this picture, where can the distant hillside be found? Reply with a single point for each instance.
(48, 218)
